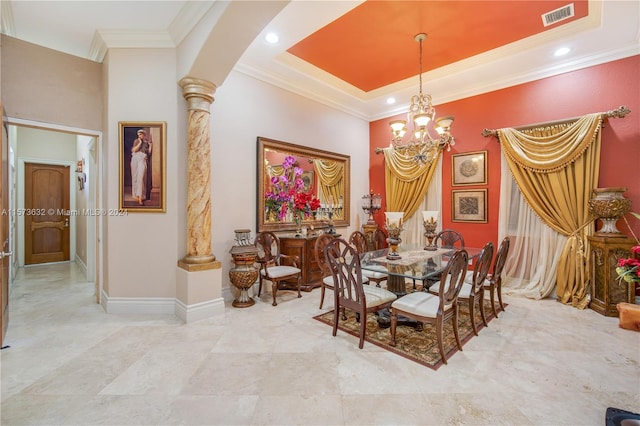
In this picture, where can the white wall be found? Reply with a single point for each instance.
(84, 203)
(142, 248)
(245, 108)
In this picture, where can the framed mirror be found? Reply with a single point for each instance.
(321, 180)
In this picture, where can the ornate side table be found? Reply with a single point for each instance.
(606, 290)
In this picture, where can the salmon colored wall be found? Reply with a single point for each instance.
(595, 89)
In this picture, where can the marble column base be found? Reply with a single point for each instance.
(199, 291)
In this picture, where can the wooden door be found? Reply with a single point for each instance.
(4, 229)
(46, 213)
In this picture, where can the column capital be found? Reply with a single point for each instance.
(198, 93)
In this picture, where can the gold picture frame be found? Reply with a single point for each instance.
(469, 205)
(469, 168)
(143, 166)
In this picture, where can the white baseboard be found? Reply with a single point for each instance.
(198, 311)
(138, 305)
(162, 306)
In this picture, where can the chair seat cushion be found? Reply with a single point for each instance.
(280, 271)
(418, 303)
(373, 274)
(377, 296)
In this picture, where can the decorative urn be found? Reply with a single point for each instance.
(609, 204)
(244, 274)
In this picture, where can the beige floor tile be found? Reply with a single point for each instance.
(70, 363)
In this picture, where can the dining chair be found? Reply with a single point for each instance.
(435, 309)
(327, 278)
(379, 239)
(449, 238)
(473, 292)
(349, 292)
(358, 240)
(275, 266)
(494, 279)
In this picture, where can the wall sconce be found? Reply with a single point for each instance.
(430, 222)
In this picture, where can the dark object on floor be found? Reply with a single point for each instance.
(618, 417)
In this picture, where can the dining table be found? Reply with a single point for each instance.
(414, 263)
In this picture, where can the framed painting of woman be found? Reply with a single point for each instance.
(142, 166)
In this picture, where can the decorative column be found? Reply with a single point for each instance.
(199, 95)
(199, 274)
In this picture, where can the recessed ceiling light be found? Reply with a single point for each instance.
(272, 38)
(391, 101)
(562, 51)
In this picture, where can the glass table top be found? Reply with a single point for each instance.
(415, 262)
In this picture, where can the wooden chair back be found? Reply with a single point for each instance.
(452, 279)
(379, 239)
(359, 241)
(449, 238)
(344, 263)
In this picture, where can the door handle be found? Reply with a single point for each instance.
(4, 254)
(66, 222)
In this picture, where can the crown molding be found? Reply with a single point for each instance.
(188, 17)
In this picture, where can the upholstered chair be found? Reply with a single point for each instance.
(349, 292)
(275, 266)
(318, 251)
(448, 239)
(493, 284)
(472, 291)
(435, 309)
(358, 240)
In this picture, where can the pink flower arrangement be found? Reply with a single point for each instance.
(288, 193)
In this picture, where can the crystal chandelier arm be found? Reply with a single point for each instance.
(421, 146)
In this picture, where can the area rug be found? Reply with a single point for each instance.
(421, 347)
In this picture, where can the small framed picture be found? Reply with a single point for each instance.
(308, 179)
(469, 168)
(469, 205)
(142, 166)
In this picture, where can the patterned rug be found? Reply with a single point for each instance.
(421, 347)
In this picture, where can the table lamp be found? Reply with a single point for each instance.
(430, 222)
(394, 228)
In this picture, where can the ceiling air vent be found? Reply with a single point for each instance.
(558, 15)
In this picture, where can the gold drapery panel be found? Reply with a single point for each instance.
(331, 179)
(556, 169)
(406, 181)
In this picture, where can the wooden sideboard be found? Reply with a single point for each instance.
(303, 247)
(606, 290)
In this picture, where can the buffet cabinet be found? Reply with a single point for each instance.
(303, 247)
(606, 290)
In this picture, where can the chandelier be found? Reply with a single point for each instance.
(421, 146)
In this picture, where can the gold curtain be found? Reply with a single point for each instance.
(331, 177)
(556, 169)
(406, 181)
(275, 171)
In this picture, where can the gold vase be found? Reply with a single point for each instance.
(244, 274)
(609, 204)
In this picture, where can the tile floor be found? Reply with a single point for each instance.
(69, 363)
